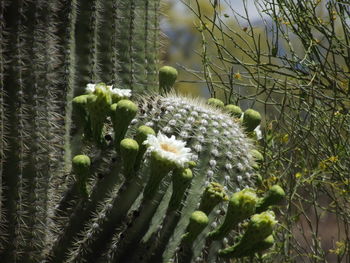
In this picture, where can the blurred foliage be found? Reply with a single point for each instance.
(291, 62)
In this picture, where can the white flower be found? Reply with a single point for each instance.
(90, 88)
(169, 148)
(124, 93)
(258, 133)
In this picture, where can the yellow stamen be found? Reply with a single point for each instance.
(168, 148)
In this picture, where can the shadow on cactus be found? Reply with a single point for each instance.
(180, 187)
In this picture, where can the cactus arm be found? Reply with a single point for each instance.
(115, 23)
(108, 218)
(85, 206)
(125, 42)
(139, 225)
(198, 221)
(72, 148)
(15, 174)
(156, 244)
(83, 34)
(3, 124)
(104, 35)
(154, 42)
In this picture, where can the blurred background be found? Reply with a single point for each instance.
(290, 61)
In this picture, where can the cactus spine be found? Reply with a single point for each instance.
(118, 193)
(89, 191)
(49, 51)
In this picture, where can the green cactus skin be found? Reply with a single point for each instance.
(127, 200)
(49, 51)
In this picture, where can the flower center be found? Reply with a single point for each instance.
(168, 148)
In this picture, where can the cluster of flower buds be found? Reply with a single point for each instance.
(204, 149)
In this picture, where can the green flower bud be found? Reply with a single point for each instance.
(80, 115)
(259, 228)
(234, 110)
(258, 158)
(241, 206)
(272, 197)
(181, 180)
(192, 164)
(198, 221)
(129, 149)
(251, 119)
(79, 102)
(215, 102)
(237, 251)
(160, 167)
(167, 78)
(122, 114)
(81, 168)
(213, 194)
(98, 105)
(141, 135)
(81, 165)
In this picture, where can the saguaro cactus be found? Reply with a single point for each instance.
(118, 195)
(49, 51)
(89, 193)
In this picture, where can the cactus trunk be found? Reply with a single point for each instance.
(49, 51)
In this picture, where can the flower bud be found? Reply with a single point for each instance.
(81, 168)
(122, 114)
(198, 221)
(129, 149)
(272, 197)
(259, 228)
(213, 194)
(167, 78)
(251, 119)
(181, 180)
(215, 102)
(142, 133)
(234, 110)
(258, 158)
(241, 206)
